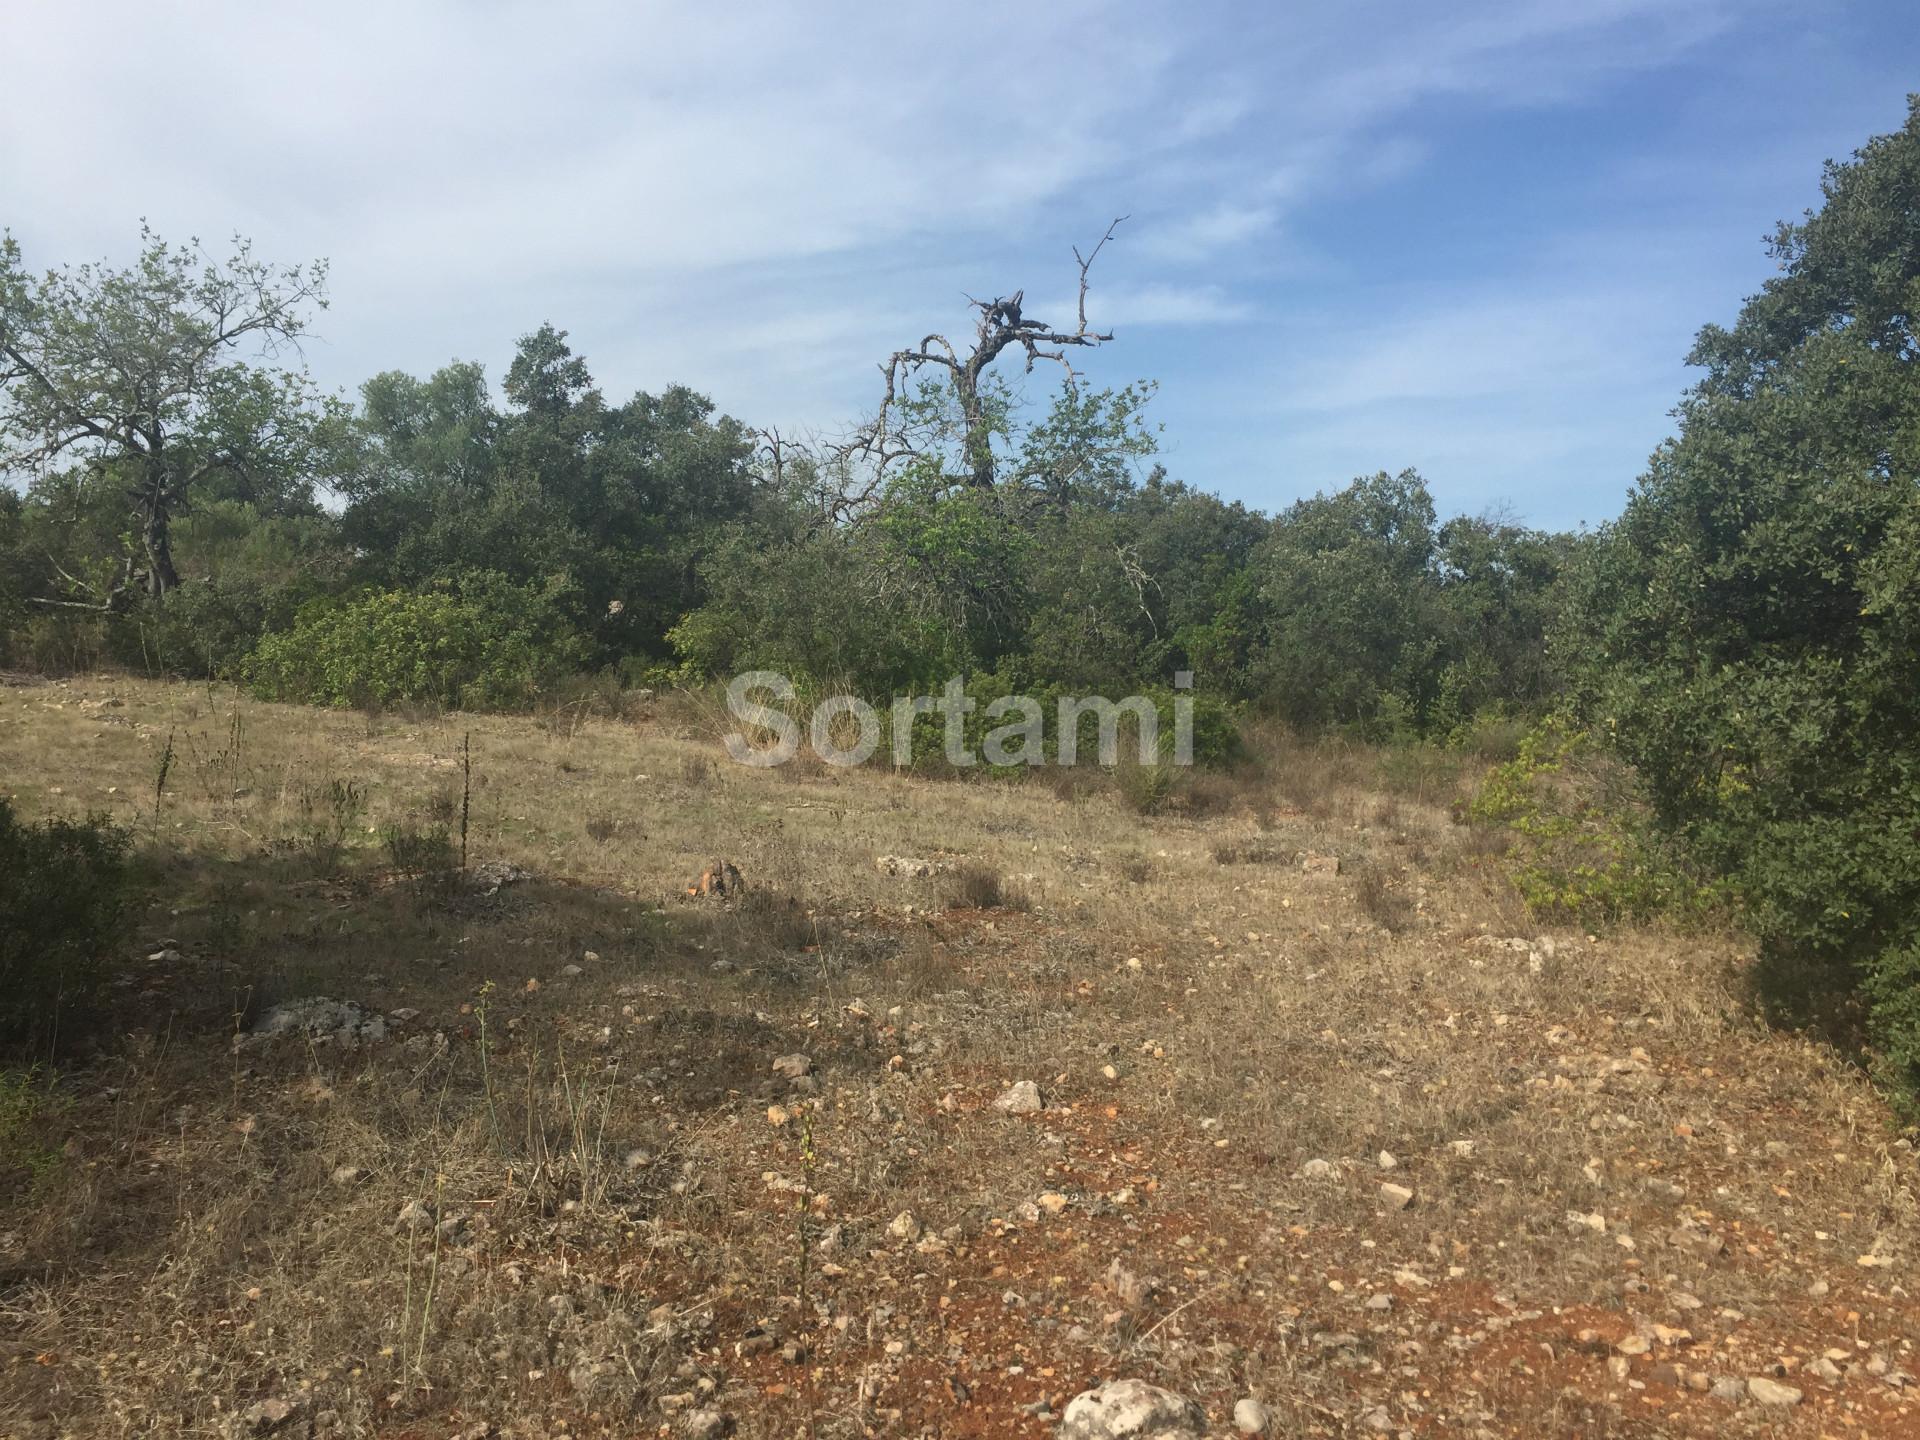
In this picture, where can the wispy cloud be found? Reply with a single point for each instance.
(762, 199)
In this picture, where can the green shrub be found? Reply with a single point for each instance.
(1583, 851)
(203, 630)
(329, 814)
(424, 856)
(65, 891)
(1747, 635)
(483, 644)
(1145, 788)
(23, 1103)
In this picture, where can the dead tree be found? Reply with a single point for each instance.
(1003, 325)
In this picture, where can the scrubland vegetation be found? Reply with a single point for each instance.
(1507, 1028)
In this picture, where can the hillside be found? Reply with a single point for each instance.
(1358, 1141)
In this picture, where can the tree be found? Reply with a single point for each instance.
(1748, 633)
(1498, 586)
(162, 374)
(1348, 590)
(965, 407)
(622, 499)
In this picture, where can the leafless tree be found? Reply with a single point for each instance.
(892, 436)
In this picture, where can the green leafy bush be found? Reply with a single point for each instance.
(1748, 634)
(483, 644)
(65, 892)
(1582, 852)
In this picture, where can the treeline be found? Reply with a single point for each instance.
(436, 543)
(1746, 636)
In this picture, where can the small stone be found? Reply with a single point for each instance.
(707, 1425)
(413, 1216)
(792, 1067)
(1053, 1202)
(1131, 1410)
(904, 1226)
(571, 971)
(1825, 1369)
(1729, 1389)
(756, 1342)
(1317, 1170)
(1250, 1417)
(1381, 1301)
(1395, 1197)
(1634, 1345)
(1819, 1289)
(1022, 1098)
(1772, 1392)
(348, 1175)
(1386, 1160)
(269, 1413)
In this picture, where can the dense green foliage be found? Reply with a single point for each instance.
(482, 643)
(66, 888)
(1748, 633)
(440, 543)
(1584, 851)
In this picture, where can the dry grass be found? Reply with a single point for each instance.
(572, 1194)
(978, 887)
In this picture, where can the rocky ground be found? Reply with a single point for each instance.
(1276, 1112)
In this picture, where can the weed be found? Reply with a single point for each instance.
(422, 855)
(1379, 900)
(1245, 852)
(466, 792)
(1145, 788)
(976, 887)
(328, 815)
(23, 1101)
(160, 773)
(66, 886)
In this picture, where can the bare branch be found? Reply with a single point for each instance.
(1086, 265)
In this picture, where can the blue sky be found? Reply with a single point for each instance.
(1475, 239)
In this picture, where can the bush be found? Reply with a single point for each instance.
(66, 889)
(1145, 788)
(1748, 633)
(974, 886)
(203, 630)
(481, 644)
(1582, 851)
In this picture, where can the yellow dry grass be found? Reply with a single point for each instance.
(566, 1200)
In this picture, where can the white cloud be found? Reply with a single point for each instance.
(762, 199)
(1221, 226)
